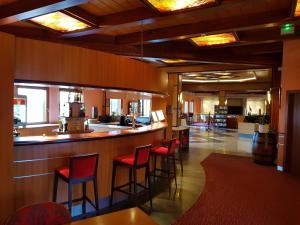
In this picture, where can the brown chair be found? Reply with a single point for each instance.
(80, 170)
(178, 143)
(48, 213)
(167, 153)
(134, 162)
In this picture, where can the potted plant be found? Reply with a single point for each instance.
(263, 125)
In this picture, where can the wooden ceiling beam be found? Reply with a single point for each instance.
(208, 67)
(249, 49)
(235, 23)
(133, 18)
(134, 15)
(82, 15)
(267, 35)
(211, 56)
(210, 87)
(145, 14)
(26, 9)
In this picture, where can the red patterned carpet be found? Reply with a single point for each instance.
(239, 192)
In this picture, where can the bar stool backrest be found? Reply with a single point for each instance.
(48, 213)
(172, 146)
(142, 155)
(84, 166)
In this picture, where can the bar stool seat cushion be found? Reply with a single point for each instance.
(166, 142)
(126, 159)
(64, 171)
(160, 150)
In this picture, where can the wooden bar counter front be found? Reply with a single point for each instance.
(35, 159)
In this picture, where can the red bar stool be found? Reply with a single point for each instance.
(81, 170)
(166, 153)
(179, 148)
(134, 162)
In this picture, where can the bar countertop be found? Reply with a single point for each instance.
(37, 140)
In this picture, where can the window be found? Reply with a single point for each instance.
(115, 107)
(191, 106)
(66, 96)
(36, 104)
(186, 106)
(145, 107)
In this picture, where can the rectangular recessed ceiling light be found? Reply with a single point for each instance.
(215, 39)
(297, 10)
(60, 22)
(173, 61)
(175, 5)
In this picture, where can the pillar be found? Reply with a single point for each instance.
(222, 98)
(174, 103)
(7, 68)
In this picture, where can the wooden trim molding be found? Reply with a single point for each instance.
(41, 140)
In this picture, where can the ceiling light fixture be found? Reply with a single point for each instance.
(297, 9)
(173, 61)
(164, 6)
(215, 39)
(60, 21)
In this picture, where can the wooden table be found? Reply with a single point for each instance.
(133, 216)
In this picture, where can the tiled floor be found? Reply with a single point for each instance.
(167, 209)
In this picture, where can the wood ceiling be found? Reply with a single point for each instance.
(120, 26)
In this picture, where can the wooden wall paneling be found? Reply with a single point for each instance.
(45, 158)
(159, 103)
(93, 98)
(289, 82)
(7, 55)
(45, 61)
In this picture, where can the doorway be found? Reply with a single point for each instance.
(293, 134)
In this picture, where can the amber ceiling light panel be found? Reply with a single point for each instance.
(173, 61)
(297, 10)
(215, 39)
(176, 5)
(60, 22)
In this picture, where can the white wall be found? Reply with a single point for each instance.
(208, 104)
(256, 104)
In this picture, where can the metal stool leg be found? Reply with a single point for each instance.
(134, 185)
(149, 185)
(84, 197)
(180, 158)
(70, 197)
(130, 179)
(96, 193)
(174, 168)
(113, 183)
(169, 175)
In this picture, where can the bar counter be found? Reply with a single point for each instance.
(36, 158)
(63, 138)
